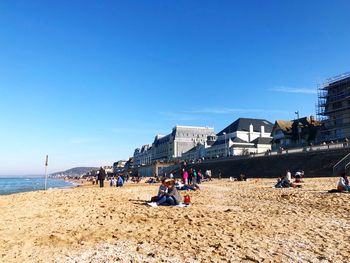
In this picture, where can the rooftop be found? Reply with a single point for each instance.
(335, 79)
(242, 124)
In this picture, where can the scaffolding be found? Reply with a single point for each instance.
(333, 108)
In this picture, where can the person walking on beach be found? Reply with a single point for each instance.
(199, 176)
(101, 176)
(184, 176)
(194, 178)
(190, 176)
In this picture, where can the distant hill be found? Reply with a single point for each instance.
(77, 171)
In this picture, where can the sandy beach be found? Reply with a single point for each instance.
(227, 221)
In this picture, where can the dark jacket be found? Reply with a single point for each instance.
(101, 174)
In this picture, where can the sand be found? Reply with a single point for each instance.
(227, 221)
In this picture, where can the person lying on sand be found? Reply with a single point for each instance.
(282, 182)
(151, 181)
(241, 177)
(180, 186)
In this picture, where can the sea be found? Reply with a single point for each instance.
(19, 184)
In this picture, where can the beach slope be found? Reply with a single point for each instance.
(237, 221)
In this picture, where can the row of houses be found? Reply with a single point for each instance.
(244, 136)
(247, 136)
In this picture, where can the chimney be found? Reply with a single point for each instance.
(262, 130)
(250, 134)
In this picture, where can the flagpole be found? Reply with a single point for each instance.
(46, 163)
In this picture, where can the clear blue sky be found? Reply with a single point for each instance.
(89, 81)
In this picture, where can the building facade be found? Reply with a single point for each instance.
(334, 108)
(118, 166)
(295, 133)
(143, 155)
(173, 145)
(243, 136)
(179, 141)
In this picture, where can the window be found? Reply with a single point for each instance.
(337, 105)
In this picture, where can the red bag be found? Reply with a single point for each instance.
(154, 198)
(187, 200)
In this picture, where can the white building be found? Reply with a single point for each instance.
(173, 145)
(117, 166)
(182, 139)
(244, 136)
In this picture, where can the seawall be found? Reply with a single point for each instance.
(313, 163)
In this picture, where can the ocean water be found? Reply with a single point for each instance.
(12, 184)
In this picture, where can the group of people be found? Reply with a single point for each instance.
(167, 194)
(192, 176)
(240, 177)
(117, 181)
(286, 181)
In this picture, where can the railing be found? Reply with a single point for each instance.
(168, 169)
(346, 168)
(306, 149)
(321, 147)
(342, 164)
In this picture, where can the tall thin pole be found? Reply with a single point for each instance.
(224, 133)
(46, 164)
(297, 113)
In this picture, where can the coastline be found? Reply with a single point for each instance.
(37, 185)
(234, 221)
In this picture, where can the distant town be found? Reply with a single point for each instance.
(245, 137)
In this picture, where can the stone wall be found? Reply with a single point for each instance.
(314, 164)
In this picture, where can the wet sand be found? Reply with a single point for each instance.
(227, 221)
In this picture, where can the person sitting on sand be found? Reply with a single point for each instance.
(171, 197)
(343, 184)
(298, 176)
(112, 182)
(163, 189)
(241, 177)
(288, 176)
(284, 182)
